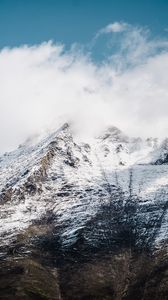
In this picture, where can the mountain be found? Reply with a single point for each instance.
(84, 221)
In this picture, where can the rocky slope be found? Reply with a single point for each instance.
(84, 221)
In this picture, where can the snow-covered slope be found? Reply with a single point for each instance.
(75, 182)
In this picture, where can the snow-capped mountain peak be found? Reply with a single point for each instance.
(73, 180)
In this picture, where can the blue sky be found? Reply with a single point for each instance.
(68, 21)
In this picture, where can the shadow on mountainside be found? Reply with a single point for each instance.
(112, 257)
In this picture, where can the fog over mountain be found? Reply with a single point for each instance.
(42, 86)
(83, 168)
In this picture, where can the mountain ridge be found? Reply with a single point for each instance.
(81, 202)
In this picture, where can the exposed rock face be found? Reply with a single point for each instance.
(84, 221)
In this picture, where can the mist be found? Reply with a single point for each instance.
(43, 86)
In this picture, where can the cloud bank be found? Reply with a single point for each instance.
(45, 85)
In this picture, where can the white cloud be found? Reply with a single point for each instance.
(115, 27)
(43, 86)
